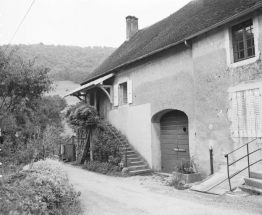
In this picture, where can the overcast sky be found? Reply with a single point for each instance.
(78, 22)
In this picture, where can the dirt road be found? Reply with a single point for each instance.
(105, 195)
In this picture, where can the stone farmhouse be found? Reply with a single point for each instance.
(188, 83)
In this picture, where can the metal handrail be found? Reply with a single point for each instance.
(119, 142)
(242, 146)
(248, 162)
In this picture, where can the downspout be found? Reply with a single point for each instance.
(187, 45)
(194, 89)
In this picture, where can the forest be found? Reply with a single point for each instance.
(70, 63)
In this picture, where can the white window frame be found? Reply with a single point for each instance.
(121, 94)
(118, 101)
(245, 87)
(229, 42)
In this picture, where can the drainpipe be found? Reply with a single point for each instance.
(187, 45)
(211, 146)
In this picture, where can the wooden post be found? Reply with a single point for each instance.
(91, 145)
(95, 101)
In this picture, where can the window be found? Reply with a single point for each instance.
(243, 41)
(246, 113)
(123, 93)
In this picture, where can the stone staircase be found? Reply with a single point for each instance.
(254, 183)
(135, 164)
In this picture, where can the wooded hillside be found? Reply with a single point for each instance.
(66, 62)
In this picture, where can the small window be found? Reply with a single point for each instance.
(123, 93)
(243, 41)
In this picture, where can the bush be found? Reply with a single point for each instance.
(178, 182)
(185, 166)
(102, 167)
(44, 189)
(84, 119)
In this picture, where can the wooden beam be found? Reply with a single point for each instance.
(105, 86)
(108, 95)
(79, 98)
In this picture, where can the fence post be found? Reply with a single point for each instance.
(248, 161)
(228, 173)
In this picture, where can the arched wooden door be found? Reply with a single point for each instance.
(174, 139)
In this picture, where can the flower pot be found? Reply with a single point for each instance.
(187, 178)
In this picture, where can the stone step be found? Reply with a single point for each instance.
(128, 149)
(257, 174)
(133, 159)
(131, 153)
(124, 145)
(135, 163)
(132, 168)
(132, 156)
(250, 189)
(253, 182)
(140, 172)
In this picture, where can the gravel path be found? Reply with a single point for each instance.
(137, 195)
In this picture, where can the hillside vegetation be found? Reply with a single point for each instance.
(69, 63)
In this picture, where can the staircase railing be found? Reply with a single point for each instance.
(119, 142)
(248, 161)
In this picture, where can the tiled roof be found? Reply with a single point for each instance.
(193, 18)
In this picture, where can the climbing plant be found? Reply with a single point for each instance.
(100, 142)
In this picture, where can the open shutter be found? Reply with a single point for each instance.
(257, 112)
(129, 92)
(241, 113)
(252, 112)
(248, 113)
(234, 114)
(116, 95)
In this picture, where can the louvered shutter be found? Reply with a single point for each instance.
(241, 113)
(252, 113)
(234, 115)
(116, 95)
(129, 92)
(257, 112)
(248, 95)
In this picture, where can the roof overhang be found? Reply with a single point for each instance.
(81, 90)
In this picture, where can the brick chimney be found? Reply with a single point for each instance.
(131, 26)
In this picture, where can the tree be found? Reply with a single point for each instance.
(21, 86)
(49, 110)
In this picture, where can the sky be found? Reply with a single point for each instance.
(78, 22)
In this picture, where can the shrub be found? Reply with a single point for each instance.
(85, 119)
(178, 182)
(44, 189)
(102, 167)
(185, 166)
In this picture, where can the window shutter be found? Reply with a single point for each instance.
(241, 113)
(248, 112)
(234, 114)
(257, 112)
(129, 92)
(116, 95)
(252, 113)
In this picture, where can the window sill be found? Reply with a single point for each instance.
(122, 105)
(244, 62)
